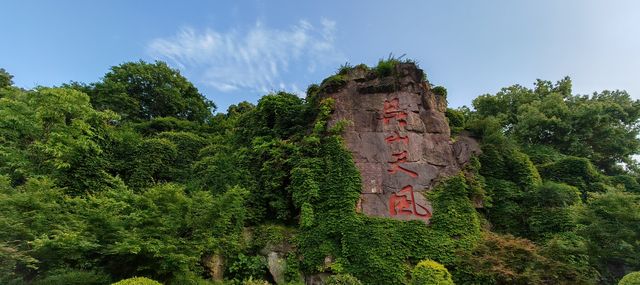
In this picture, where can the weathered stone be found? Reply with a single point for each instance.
(277, 265)
(215, 266)
(316, 279)
(400, 140)
(465, 147)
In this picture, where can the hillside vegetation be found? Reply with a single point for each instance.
(135, 176)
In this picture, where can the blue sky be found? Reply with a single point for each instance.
(240, 50)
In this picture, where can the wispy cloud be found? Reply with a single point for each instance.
(256, 59)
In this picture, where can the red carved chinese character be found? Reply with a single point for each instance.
(397, 137)
(392, 110)
(403, 203)
(401, 157)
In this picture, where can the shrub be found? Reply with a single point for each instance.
(456, 118)
(632, 278)
(549, 209)
(74, 277)
(430, 272)
(505, 259)
(342, 279)
(508, 163)
(629, 182)
(154, 161)
(272, 237)
(386, 67)
(137, 281)
(190, 278)
(246, 267)
(252, 281)
(333, 83)
(575, 171)
(440, 91)
(542, 154)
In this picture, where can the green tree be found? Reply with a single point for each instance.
(602, 127)
(610, 223)
(5, 78)
(161, 232)
(549, 208)
(55, 132)
(74, 277)
(142, 91)
(505, 259)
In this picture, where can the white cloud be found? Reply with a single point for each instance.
(257, 59)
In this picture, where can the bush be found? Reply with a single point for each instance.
(629, 182)
(456, 119)
(252, 281)
(137, 281)
(430, 272)
(191, 278)
(632, 278)
(542, 154)
(333, 83)
(386, 67)
(244, 267)
(549, 209)
(575, 171)
(342, 279)
(74, 277)
(440, 91)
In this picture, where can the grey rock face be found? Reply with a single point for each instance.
(400, 140)
(276, 265)
(214, 265)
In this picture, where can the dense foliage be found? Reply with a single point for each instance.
(137, 281)
(342, 279)
(630, 279)
(135, 176)
(430, 272)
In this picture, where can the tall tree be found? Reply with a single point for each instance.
(142, 91)
(602, 127)
(5, 78)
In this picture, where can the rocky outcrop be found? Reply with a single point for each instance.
(277, 265)
(316, 279)
(275, 250)
(215, 266)
(399, 137)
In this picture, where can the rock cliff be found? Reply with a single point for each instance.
(399, 137)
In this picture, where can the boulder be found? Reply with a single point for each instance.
(215, 266)
(277, 265)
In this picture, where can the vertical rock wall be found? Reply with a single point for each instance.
(399, 138)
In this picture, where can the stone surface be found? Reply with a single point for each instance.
(277, 265)
(465, 147)
(400, 140)
(275, 254)
(215, 266)
(316, 279)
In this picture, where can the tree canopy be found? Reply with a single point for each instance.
(602, 127)
(142, 91)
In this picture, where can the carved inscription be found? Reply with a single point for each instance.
(403, 202)
(399, 140)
